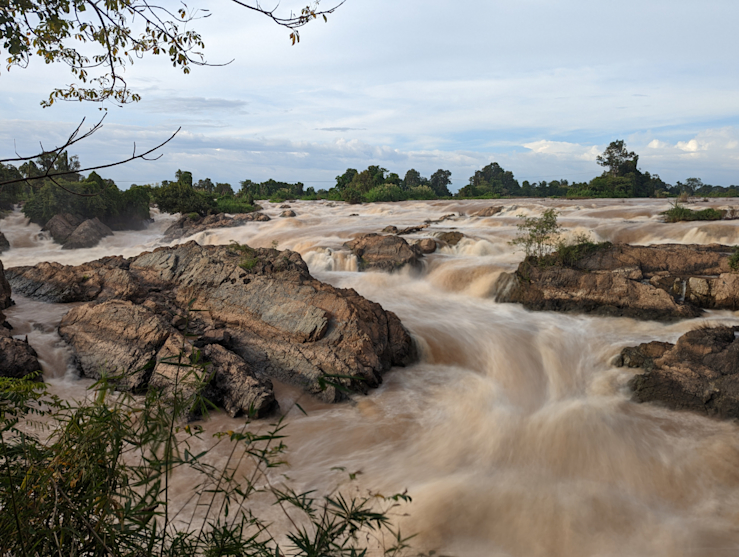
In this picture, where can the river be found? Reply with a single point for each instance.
(514, 434)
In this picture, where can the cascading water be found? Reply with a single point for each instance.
(514, 435)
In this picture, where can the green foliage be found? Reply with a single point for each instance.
(734, 259)
(492, 181)
(100, 198)
(568, 254)
(384, 192)
(96, 480)
(177, 197)
(678, 213)
(351, 195)
(233, 205)
(421, 192)
(538, 236)
(617, 159)
(271, 189)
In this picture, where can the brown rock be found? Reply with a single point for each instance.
(427, 245)
(489, 211)
(87, 235)
(390, 229)
(288, 213)
(700, 373)
(4, 244)
(272, 314)
(384, 253)
(17, 357)
(285, 206)
(186, 226)
(61, 226)
(452, 238)
(5, 301)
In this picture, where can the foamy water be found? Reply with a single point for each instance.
(514, 435)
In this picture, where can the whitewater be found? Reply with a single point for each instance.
(514, 434)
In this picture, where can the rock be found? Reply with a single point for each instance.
(427, 245)
(412, 229)
(4, 244)
(17, 357)
(452, 238)
(285, 206)
(699, 373)
(5, 301)
(288, 213)
(354, 215)
(384, 253)
(390, 229)
(187, 226)
(489, 212)
(262, 305)
(87, 235)
(663, 282)
(442, 219)
(61, 226)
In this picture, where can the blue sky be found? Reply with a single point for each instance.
(539, 86)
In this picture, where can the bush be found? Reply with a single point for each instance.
(678, 213)
(384, 193)
(734, 259)
(176, 197)
(99, 485)
(421, 192)
(569, 253)
(538, 236)
(233, 205)
(351, 195)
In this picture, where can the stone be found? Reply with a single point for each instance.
(285, 206)
(4, 244)
(61, 226)
(87, 235)
(427, 245)
(288, 213)
(17, 357)
(452, 238)
(384, 253)
(186, 226)
(489, 211)
(699, 373)
(5, 292)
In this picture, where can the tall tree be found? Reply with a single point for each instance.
(440, 182)
(618, 159)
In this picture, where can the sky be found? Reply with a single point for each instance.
(539, 86)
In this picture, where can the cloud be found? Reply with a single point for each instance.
(192, 106)
(339, 129)
(564, 150)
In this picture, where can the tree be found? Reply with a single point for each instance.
(97, 40)
(412, 179)
(617, 159)
(440, 182)
(538, 236)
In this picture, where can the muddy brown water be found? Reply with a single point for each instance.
(514, 435)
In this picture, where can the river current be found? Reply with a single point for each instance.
(514, 434)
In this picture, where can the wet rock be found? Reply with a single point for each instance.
(285, 206)
(273, 315)
(452, 238)
(412, 229)
(427, 245)
(61, 226)
(699, 373)
(384, 253)
(443, 218)
(489, 211)
(5, 300)
(664, 282)
(4, 244)
(288, 213)
(390, 229)
(87, 235)
(188, 225)
(17, 357)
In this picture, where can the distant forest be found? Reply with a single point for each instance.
(42, 198)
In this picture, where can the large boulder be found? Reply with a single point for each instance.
(4, 244)
(17, 357)
(664, 282)
(384, 253)
(5, 301)
(187, 225)
(61, 226)
(489, 211)
(262, 305)
(87, 235)
(453, 237)
(699, 373)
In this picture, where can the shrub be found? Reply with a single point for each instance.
(538, 236)
(385, 193)
(678, 213)
(569, 253)
(351, 195)
(422, 192)
(177, 197)
(233, 205)
(734, 259)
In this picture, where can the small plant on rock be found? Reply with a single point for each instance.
(538, 236)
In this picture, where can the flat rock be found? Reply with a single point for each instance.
(489, 211)
(699, 373)
(87, 235)
(663, 282)
(262, 305)
(384, 253)
(187, 225)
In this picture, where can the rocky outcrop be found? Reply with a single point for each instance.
(187, 225)
(384, 253)
(61, 226)
(699, 373)
(489, 211)
(452, 237)
(663, 282)
(4, 244)
(17, 357)
(261, 305)
(87, 235)
(288, 213)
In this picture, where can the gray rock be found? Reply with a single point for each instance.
(87, 235)
(4, 244)
(384, 253)
(61, 226)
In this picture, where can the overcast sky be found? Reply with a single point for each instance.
(539, 86)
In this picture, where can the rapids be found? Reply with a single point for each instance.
(514, 435)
